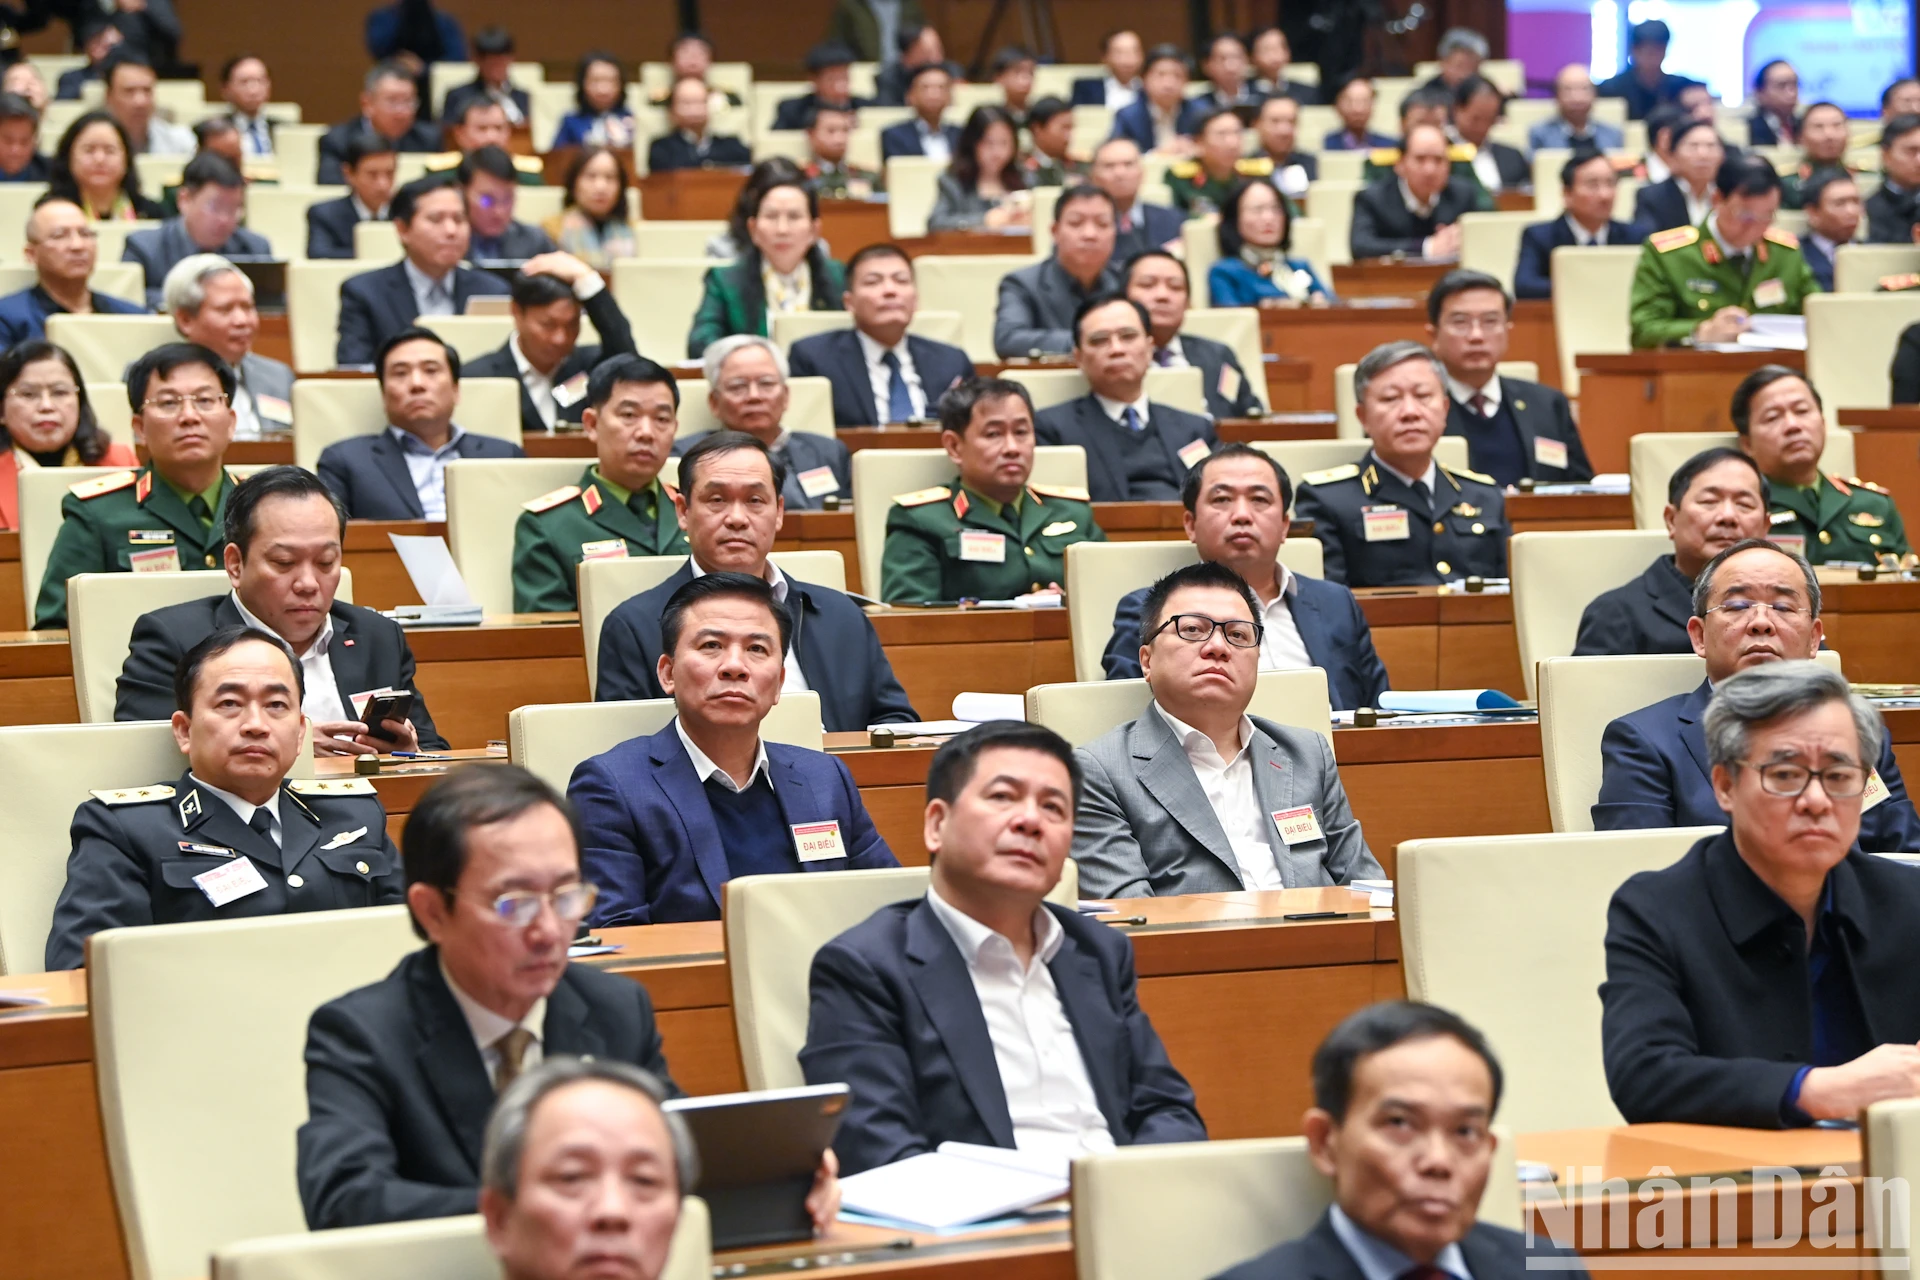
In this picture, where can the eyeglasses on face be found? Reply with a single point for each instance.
(570, 902)
(1198, 628)
(1840, 781)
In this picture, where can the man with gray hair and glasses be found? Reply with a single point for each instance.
(1754, 603)
(211, 302)
(584, 1171)
(747, 391)
(1768, 978)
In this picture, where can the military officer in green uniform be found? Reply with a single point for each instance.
(1704, 283)
(1824, 133)
(1822, 517)
(169, 515)
(621, 507)
(828, 129)
(997, 535)
(1200, 185)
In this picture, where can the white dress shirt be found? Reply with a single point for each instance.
(256, 133)
(1281, 648)
(1049, 1095)
(707, 771)
(1119, 96)
(1486, 168)
(1466, 396)
(1175, 355)
(795, 680)
(245, 810)
(487, 1028)
(1416, 207)
(1228, 785)
(539, 386)
(1583, 237)
(431, 297)
(880, 378)
(1116, 409)
(1379, 1260)
(427, 467)
(933, 142)
(1698, 207)
(365, 214)
(1657, 170)
(322, 702)
(246, 418)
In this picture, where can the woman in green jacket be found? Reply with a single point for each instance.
(783, 269)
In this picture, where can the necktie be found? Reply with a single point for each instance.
(899, 399)
(1422, 1271)
(512, 1048)
(260, 143)
(200, 511)
(262, 824)
(1163, 356)
(1426, 494)
(1483, 405)
(1126, 222)
(1131, 418)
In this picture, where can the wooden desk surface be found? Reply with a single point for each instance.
(1670, 389)
(1327, 337)
(1388, 277)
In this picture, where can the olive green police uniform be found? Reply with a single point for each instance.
(528, 171)
(1836, 518)
(1045, 171)
(130, 521)
(1793, 183)
(593, 520)
(1195, 191)
(843, 181)
(948, 545)
(1684, 278)
(1460, 155)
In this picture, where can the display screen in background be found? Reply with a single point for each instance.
(1845, 53)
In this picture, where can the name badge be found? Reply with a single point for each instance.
(1229, 383)
(606, 549)
(984, 547)
(1384, 524)
(819, 482)
(230, 881)
(1794, 542)
(1550, 453)
(272, 409)
(1297, 826)
(1770, 293)
(345, 837)
(158, 560)
(1876, 792)
(568, 393)
(1192, 452)
(818, 841)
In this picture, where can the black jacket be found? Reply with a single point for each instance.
(1492, 1253)
(1384, 226)
(674, 151)
(1213, 359)
(1533, 276)
(398, 1094)
(1707, 1015)
(1661, 206)
(1890, 216)
(1906, 366)
(369, 473)
(473, 90)
(570, 379)
(333, 147)
(1647, 615)
(1515, 170)
(838, 357)
(380, 303)
(367, 652)
(330, 227)
(1542, 414)
(1084, 422)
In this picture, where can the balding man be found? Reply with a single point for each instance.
(61, 247)
(1416, 212)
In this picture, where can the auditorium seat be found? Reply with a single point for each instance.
(912, 184)
(280, 214)
(937, 326)
(970, 285)
(1890, 1143)
(1490, 242)
(1332, 203)
(126, 281)
(1557, 575)
(474, 336)
(1081, 711)
(1303, 457)
(111, 237)
(328, 410)
(16, 206)
(108, 400)
(313, 309)
(656, 78)
(1653, 457)
(157, 173)
(103, 346)
(1239, 329)
(1591, 295)
(1181, 388)
(685, 240)
(1509, 75)
(1347, 411)
(809, 406)
(1850, 344)
(484, 497)
(659, 297)
(1858, 268)
(296, 148)
(376, 243)
(551, 739)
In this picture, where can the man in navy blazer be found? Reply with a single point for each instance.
(1138, 227)
(431, 215)
(929, 91)
(922, 1006)
(212, 201)
(1157, 280)
(1120, 54)
(1163, 111)
(1588, 181)
(667, 820)
(1237, 501)
(731, 511)
(1654, 770)
(881, 374)
(367, 167)
(62, 249)
(400, 473)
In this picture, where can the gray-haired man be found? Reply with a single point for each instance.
(211, 302)
(747, 391)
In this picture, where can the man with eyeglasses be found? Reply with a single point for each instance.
(747, 391)
(170, 515)
(1753, 604)
(1197, 796)
(1767, 979)
(61, 247)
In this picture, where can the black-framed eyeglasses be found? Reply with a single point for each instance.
(519, 908)
(1198, 628)
(1840, 781)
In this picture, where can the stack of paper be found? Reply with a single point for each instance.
(957, 1184)
(969, 709)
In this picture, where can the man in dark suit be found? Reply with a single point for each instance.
(747, 391)
(1277, 127)
(96, 38)
(390, 109)
(929, 92)
(491, 184)
(1237, 501)
(550, 295)
(1588, 182)
(1353, 98)
(1684, 198)
(1162, 114)
(367, 166)
(1775, 121)
(1766, 979)
(1036, 306)
(431, 216)
(1230, 85)
(1390, 1068)
(1158, 281)
(666, 820)
(1831, 199)
(1137, 226)
(20, 158)
(689, 145)
(731, 511)
(1477, 106)
(1656, 763)
(1137, 451)
(62, 247)
(213, 199)
(493, 50)
(1645, 82)
(400, 473)
(284, 532)
(1895, 207)
(981, 1012)
(829, 66)
(1120, 53)
(1717, 498)
(1513, 429)
(881, 374)
(1416, 212)
(211, 302)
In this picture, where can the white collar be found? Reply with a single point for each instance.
(420, 280)
(1379, 1260)
(775, 579)
(1828, 247)
(524, 365)
(1465, 395)
(1193, 741)
(1114, 409)
(1413, 205)
(243, 809)
(486, 1025)
(1431, 478)
(1289, 587)
(1173, 345)
(706, 770)
(871, 348)
(321, 643)
(1581, 235)
(365, 214)
(971, 937)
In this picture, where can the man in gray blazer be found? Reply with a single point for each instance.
(213, 199)
(747, 391)
(211, 302)
(1036, 305)
(1196, 796)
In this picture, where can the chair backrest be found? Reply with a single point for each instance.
(1509, 933)
(328, 410)
(1302, 457)
(938, 326)
(1044, 202)
(1188, 1210)
(606, 584)
(551, 739)
(110, 238)
(880, 474)
(376, 243)
(676, 239)
(970, 285)
(659, 297)
(1239, 329)
(280, 214)
(775, 924)
(111, 410)
(809, 407)
(297, 149)
(912, 186)
(16, 206)
(1083, 710)
(1850, 344)
(1890, 1140)
(313, 309)
(126, 281)
(1653, 457)
(1557, 575)
(1181, 388)
(1490, 242)
(103, 346)
(1591, 292)
(165, 1001)
(483, 510)
(1857, 268)
(1346, 409)
(474, 336)
(1099, 574)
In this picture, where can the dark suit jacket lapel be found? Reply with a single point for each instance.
(1668, 592)
(349, 657)
(399, 291)
(1307, 620)
(821, 669)
(568, 1030)
(1530, 421)
(1165, 773)
(1098, 1033)
(393, 465)
(1161, 424)
(850, 373)
(1089, 418)
(940, 978)
(206, 819)
(1692, 730)
(450, 1061)
(1391, 488)
(936, 378)
(673, 773)
(1326, 1258)
(1274, 790)
(299, 830)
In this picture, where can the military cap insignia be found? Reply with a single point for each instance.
(921, 497)
(134, 795)
(101, 484)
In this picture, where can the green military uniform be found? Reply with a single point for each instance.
(1195, 191)
(1684, 278)
(1794, 182)
(1835, 518)
(947, 545)
(131, 521)
(1380, 161)
(843, 181)
(593, 520)
(528, 171)
(1045, 171)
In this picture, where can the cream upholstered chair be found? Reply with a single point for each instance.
(110, 238)
(1557, 575)
(1181, 388)
(313, 309)
(938, 326)
(484, 497)
(280, 214)
(167, 1000)
(1303, 457)
(435, 1249)
(474, 336)
(329, 410)
(912, 185)
(775, 924)
(1346, 409)
(103, 346)
(809, 407)
(1188, 1210)
(1490, 242)
(551, 739)
(1591, 291)
(606, 584)
(970, 285)
(1509, 932)
(659, 297)
(1045, 202)
(111, 410)
(1653, 457)
(1330, 201)
(1082, 711)
(1858, 268)
(296, 148)
(1850, 344)
(126, 281)
(376, 243)
(1239, 329)
(1891, 1143)
(16, 206)
(879, 475)
(676, 239)
(46, 772)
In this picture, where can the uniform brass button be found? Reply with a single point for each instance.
(294, 882)
(361, 867)
(1874, 539)
(209, 562)
(1703, 304)
(1029, 550)
(1825, 537)
(1444, 567)
(1439, 527)
(1479, 528)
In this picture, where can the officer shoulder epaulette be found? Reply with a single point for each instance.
(134, 795)
(331, 786)
(1857, 482)
(1463, 151)
(921, 497)
(548, 501)
(1184, 169)
(1384, 156)
(1784, 238)
(1896, 284)
(1060, 491)
(442, 160)
(1674, 238)
(102, 484)
(1345, 471)
(529, 164)
(1837, 482)
(1471, 475)
(1257, 166)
